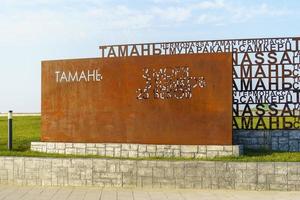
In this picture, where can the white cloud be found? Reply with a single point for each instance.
(69, 23)
(172, 14)
(119, 17)
(220, 13)
(187, 12)
(216, 4)
(216, 12)
(241, 14)
(34, 20)
(208, 19)
(166, 1)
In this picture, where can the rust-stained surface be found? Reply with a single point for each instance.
(113, 109)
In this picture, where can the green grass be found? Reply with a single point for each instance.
(27, 129)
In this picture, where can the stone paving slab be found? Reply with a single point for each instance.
(138, 150)
(100, 172)
(87, 193)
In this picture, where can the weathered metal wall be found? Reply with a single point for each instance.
(266, 76)
(176, 99)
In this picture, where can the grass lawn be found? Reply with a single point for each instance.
(27, 129)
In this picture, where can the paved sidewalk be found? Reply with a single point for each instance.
(80, 193)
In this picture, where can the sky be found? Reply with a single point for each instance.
(36, 30)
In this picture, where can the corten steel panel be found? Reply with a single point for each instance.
(109, 111)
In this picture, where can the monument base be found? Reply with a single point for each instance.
(138, 150)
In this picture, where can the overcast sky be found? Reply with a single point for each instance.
(35, 30)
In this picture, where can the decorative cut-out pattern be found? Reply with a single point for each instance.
(169, 83)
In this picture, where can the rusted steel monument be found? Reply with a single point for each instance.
(186, 93)
(175, 99)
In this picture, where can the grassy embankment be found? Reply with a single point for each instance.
(27, 129)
